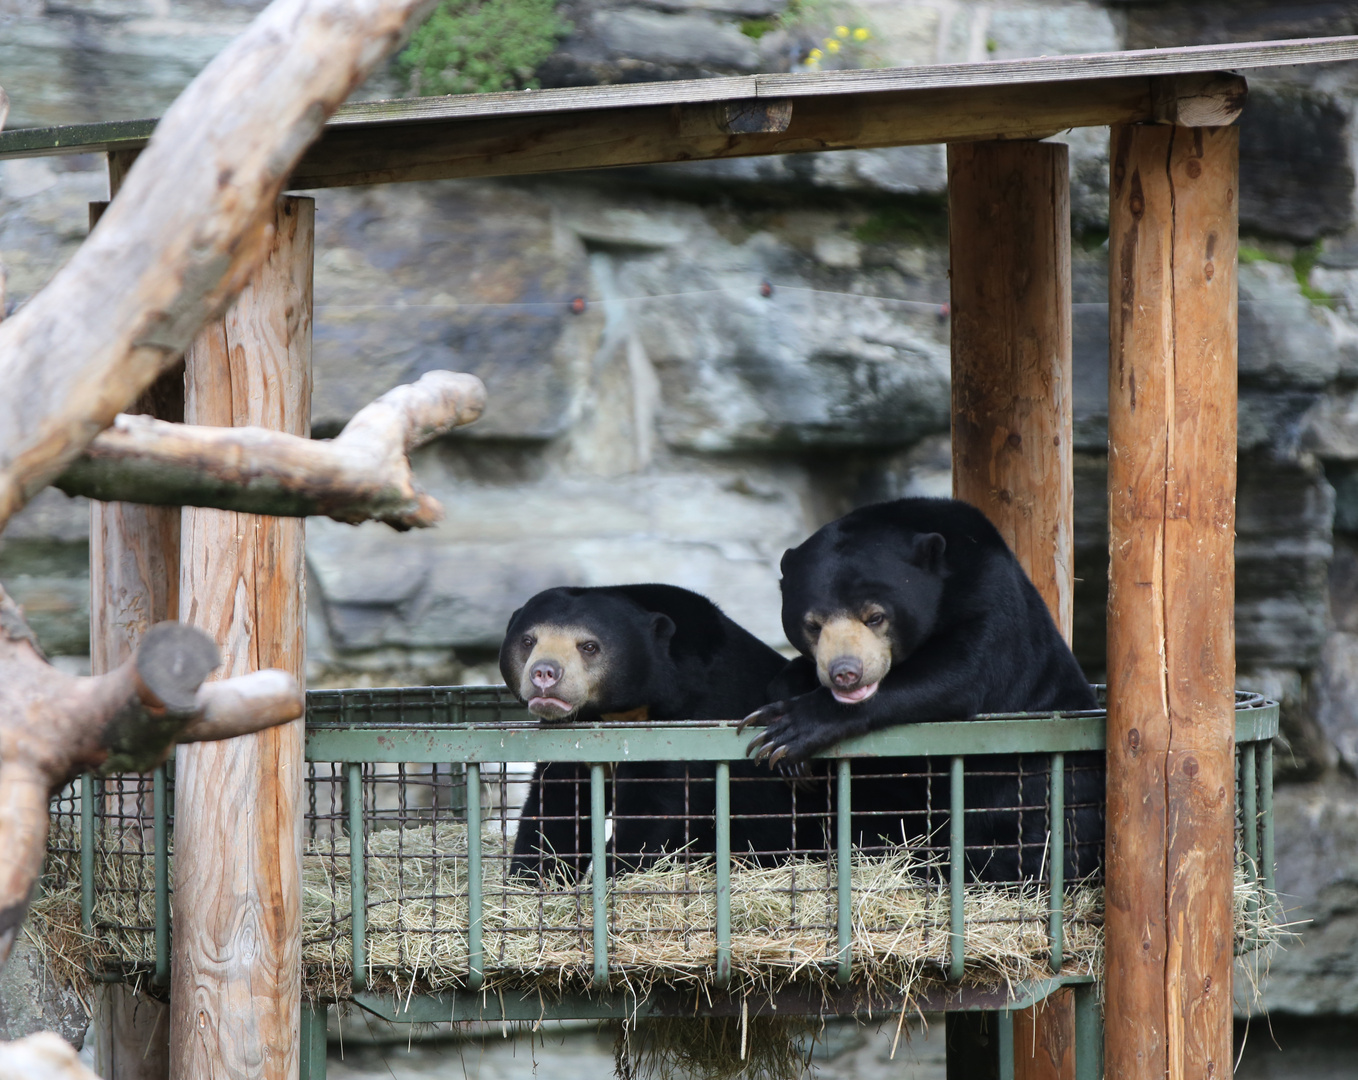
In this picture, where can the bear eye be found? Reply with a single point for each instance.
(875, 619)
(812, 628)
(529, 641)
(589, 648)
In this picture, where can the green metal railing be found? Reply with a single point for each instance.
(478, 726)
(486, 726)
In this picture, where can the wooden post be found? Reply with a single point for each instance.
(236, 985)
(1009, 241)
(1171, 644)
(134, 584)
(1009, 248)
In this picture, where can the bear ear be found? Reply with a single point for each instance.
(782, 563)
(663, 628)
(929, 550)
(513, 619)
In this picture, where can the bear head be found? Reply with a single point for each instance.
(860, 597)
(570, 653)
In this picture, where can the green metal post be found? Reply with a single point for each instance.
(844, 868)
(475, 909)
(1266, 808)
(1088, 1033)
(723, 823)
(1005, 1023)
(358, 890)
(1249, 812)
(1249, 806)
(1057, 915)
(160, 825)
(312, 1055)
(956, 869)
(599, 873)
(87, 853)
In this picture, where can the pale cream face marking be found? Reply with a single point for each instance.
(846, 633)
(582, 673)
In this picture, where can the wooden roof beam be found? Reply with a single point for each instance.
(651, 134)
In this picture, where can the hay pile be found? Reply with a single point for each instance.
(662, 921)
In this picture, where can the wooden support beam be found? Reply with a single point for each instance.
(503, 145)
(134, 584)
(236, 984)
(1171, 645)
(1009, 247)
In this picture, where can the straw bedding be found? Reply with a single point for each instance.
(661, 921)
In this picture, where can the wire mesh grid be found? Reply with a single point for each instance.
(433, 913)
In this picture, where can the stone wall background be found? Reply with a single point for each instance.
(687, 428)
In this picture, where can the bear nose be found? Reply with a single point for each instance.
(845, 671)
(546, 673)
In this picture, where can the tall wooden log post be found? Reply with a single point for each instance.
(134, 584)
(1009, 247)
(236, 983)
(1171, 634)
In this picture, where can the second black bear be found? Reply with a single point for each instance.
(629, 653)
(916, 610)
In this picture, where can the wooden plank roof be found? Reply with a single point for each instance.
(647, 123)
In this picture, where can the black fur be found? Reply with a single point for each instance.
(971, 635)
(682, 659)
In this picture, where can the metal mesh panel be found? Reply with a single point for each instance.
(434, 913)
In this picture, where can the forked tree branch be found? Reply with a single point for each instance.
(188, 227)
(53, 726)
(362, 474)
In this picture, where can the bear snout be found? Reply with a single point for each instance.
(546, 674)
(846, 672)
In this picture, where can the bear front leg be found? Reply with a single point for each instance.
(554, 825)
(801, 728)
(809, 724)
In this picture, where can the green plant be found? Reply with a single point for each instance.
(1302, 263)
(479, 46)
(757, 28)
(905, 220)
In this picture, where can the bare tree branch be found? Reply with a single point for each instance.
(183, 234)
(362, 474)
(54, 726)
(45, 1055)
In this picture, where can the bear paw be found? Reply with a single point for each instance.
(787, 739)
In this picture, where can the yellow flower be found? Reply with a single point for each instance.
(815, 54)
(841, 31)
(832, 45)
(861, 33)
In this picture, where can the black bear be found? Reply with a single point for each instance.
(916, 610)
(630, 653)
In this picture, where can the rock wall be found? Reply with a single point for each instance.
(763, 345)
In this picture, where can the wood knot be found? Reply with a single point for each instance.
(1191, 767)
(1015, 439)
(1134, 741)
(1208, 271)
(1005, 496)
(1138, 205)
(1194, 168)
